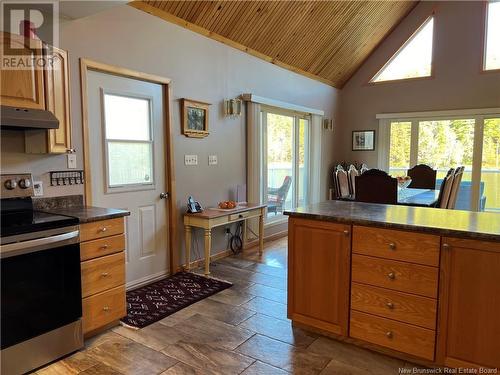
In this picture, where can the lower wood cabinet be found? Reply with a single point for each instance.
(469, 304)
(319, 269)
(395, 335)
(103, 273)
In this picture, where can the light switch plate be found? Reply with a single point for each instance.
(37, 188)
(71, 161)
(212, 159)
(190, 159)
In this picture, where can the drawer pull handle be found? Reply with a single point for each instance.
(446, 246)
(240, 216)
(106, 308)
(391, 275)
(104, 247)
(390, 305)
(103, 229)
(346, 232)
(104, 274)
(392, 246)
(389, 334)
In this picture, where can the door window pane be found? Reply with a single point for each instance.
(127, 117)
(399, 154)
(128, 139)
(489, 190)
(129, 163)
(492, 53)
(279, 151)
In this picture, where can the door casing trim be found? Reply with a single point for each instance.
(85, 66)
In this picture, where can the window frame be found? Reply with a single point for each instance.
(478, 115)
(143, 186)
(485, 39)
(395, 54)
(297, 116)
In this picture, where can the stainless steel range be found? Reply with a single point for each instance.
(41, 294)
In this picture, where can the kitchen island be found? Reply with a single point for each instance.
(421, 284)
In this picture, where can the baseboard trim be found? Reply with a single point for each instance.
(145, 280)
(269, 238)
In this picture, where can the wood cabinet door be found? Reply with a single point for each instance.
(318, 275)
(22, 87)
(57, 97)
(469, 304)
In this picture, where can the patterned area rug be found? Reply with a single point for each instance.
(160, 299)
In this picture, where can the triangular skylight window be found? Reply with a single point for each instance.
(414, 58)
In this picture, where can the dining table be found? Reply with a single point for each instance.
(411, 197)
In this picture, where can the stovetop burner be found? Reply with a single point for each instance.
(17, 213)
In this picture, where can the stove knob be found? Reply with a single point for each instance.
(24, 183)
(10, 184)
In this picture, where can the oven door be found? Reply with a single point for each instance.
(41, 286)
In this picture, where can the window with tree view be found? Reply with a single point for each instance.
(442, 144)
(286, 161)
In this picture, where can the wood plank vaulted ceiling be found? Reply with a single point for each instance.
(324, 40)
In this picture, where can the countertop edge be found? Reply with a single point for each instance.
(409, 227)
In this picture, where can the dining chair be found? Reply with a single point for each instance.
(376, 186)
(363, 169)
(352, 173)
(445, 190)
(457, 179)
(343, 182)
(422, 177)
(336, 188)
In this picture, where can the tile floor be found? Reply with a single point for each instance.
(241, 330)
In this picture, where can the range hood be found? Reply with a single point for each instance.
(27, 118)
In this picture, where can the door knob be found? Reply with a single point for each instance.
(163, 195)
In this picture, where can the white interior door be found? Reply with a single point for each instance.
(127, 164)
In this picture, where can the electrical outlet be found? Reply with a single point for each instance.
(212, 159)
(71, 161)
(37, 188)
(190, 159)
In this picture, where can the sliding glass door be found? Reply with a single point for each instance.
(471, 141)
(285, 158)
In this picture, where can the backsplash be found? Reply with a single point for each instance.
(51, 203)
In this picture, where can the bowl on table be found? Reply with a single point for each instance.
(403, 181)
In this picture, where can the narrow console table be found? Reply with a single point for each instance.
(211, 218)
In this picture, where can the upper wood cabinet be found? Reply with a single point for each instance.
(469, 305)
(319, 271)
(56, 78)
(22, 87)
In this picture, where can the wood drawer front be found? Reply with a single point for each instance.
(398, 245)
(398, 336)
(103, 308)
(405, 277)
(101, 247)
(103, 273)
(407, 308)
(100, 229)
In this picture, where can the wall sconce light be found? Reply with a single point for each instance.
(328, 124)
(232, 107)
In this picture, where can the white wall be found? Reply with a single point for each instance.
(458, 81)
(201, 69)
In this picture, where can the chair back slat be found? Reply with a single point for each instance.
(343, 183)
(457, 179)
(446, 189)
(376, 186)
(422, 177)
(352, 173)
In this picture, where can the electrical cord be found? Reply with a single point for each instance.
(235, 242)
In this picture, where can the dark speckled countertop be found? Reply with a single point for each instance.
(72, 205)
(465, 224)
(87, 214)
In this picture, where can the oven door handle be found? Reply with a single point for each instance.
(31, 246)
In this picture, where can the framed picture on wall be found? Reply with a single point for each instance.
(363, 140)
(194, 118)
